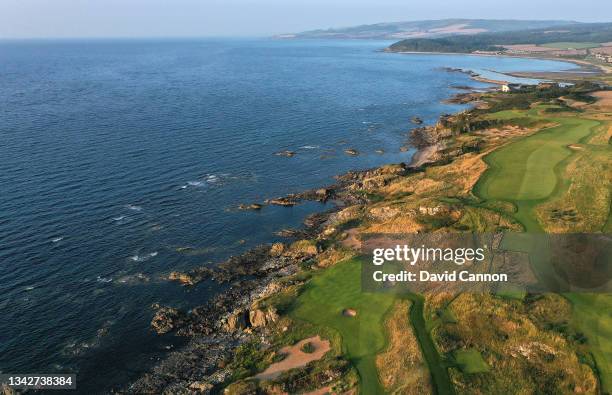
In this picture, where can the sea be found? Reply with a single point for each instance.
(123, 160)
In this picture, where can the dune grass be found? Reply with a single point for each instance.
(592, 314)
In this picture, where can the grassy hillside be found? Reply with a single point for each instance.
(431, 28)
(574, 33)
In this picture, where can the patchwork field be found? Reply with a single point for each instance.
(571, 45)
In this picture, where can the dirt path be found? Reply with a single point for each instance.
(296, 357)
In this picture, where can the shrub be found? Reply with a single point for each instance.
(308, 348)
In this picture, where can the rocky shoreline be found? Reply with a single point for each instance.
(234, 316)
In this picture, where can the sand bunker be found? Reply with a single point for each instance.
(296, 358)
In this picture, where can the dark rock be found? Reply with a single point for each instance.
(236, 322)
(252, 206)
(286, 153)
(167, 319)
(287, 201)
(416, 120)
(289, 233)
(193, 276)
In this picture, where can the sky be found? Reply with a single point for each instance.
(243, 18)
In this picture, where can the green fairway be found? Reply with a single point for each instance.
(363, 336)
(470, 361)
(527, 169)
(529, 172)
(570, 45)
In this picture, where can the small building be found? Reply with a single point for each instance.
(513, 87)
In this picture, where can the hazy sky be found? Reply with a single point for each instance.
(154, 18)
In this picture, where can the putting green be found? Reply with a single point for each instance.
(322, 303)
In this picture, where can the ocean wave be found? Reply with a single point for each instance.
(133, 207)
(145, 257)
(133, 279)
(213, 179)
(210, 180)
(57, 239)
(104, 280)
(310, 147)
(119, 218)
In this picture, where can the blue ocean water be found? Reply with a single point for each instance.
(123, 160)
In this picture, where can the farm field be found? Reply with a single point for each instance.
(571, 45)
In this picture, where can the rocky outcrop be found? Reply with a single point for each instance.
(192, 277)
(302, 249)
(286, 201)
(277, 249)
(423, 137)
(253, 318)
(285, 153)
(167, 319)
(237, 321)
(201, 387)
(252, 206)
(416, 120)
(260, 318)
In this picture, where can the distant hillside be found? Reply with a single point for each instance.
(427, 29)
(571, 33)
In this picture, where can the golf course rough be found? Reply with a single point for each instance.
(527, 173)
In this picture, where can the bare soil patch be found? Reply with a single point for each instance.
(296, 358)
(604, 100)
